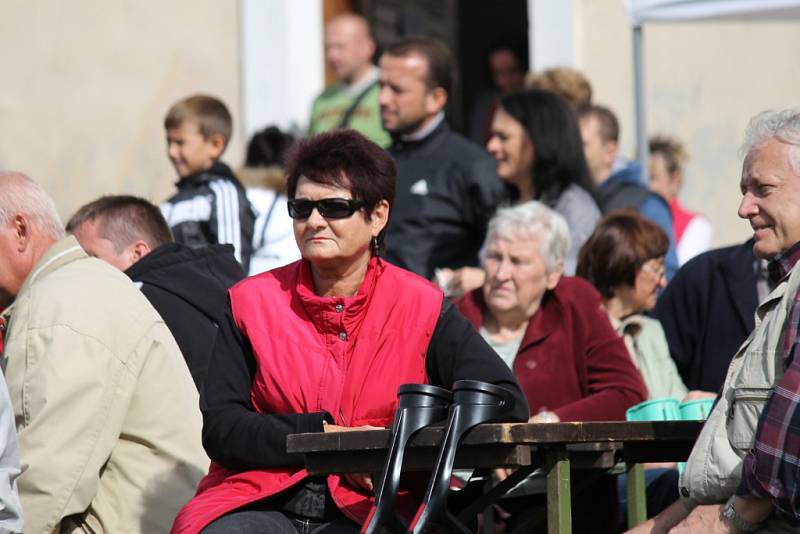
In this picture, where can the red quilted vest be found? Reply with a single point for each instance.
(343, 355)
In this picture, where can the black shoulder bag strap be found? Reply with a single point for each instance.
(352, 109)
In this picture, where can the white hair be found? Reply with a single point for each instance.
(535, 220)
(783, 125)
(21, 195)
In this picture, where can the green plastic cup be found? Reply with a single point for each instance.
(697, 409)
(654, 410)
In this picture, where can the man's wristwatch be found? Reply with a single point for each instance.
(739, 523)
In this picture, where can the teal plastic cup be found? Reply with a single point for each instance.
(654, 410)
(697, 409)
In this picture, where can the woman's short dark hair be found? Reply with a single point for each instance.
(622, 242)
(344, 158)
(552, 127)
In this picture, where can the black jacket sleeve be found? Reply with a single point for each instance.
(234, 434)
(458, 352)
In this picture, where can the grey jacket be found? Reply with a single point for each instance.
(580, 210)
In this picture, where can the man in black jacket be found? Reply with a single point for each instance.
(707, 311)
(447, 186)
(187, 286)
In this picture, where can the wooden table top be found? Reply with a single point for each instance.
(592, 444)
(506, 433)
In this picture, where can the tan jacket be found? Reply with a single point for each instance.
(105, 408)
(714, 469)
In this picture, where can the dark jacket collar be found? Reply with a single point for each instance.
(198, 276)
(398, 145)
(215, 172)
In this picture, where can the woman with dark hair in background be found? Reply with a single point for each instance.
(539, 150)
(538, 147)
(624, 260)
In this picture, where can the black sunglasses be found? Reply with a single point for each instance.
(330, 208)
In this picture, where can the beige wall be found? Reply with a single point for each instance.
(84, 88)
(704, 80)
(85, 85)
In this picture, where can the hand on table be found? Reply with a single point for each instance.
(359, 480)
(704, 519)
(663, 522)
(709, 518)
(544, 417)
(661, 465)
(502, 473)
(339, 428)
(697, 394)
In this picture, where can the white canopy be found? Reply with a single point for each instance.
(641, 11)
(646, 11)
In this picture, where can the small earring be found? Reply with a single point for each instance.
(375, 245)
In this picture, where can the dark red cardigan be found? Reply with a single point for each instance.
(571, 361)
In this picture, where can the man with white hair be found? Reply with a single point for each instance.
(742, 475)
(105, 408)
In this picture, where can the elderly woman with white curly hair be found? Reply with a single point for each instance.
(551, 329)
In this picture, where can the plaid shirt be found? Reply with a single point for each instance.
(772, 467)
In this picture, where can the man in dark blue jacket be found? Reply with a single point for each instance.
(707, 311)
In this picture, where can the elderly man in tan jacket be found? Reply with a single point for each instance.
(105, 408)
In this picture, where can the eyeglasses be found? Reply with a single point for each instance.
(330, 208)
(655, 267)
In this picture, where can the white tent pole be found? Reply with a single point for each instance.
(638, 87)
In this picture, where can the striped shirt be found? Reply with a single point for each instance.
(212, 207)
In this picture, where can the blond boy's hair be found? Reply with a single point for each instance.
(209, 113)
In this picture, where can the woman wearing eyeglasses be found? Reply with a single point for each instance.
(322, 344)
(624, 260)
(537, 144)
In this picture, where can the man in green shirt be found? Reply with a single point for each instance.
(352, 102)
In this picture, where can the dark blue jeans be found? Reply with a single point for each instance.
(274, 522)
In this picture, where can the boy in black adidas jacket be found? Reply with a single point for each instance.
(210, 205)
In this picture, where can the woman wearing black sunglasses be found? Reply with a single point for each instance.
(322, 344)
